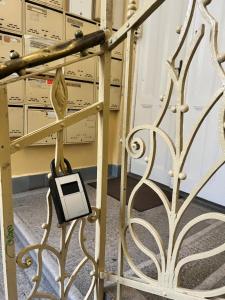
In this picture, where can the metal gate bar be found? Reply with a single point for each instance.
(168, 266)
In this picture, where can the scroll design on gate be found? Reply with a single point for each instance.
(59, 96)
(167, 265)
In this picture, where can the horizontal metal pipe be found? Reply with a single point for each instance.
(47, 69)
(52, 53)
(54, 127)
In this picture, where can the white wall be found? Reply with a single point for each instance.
(154, 48)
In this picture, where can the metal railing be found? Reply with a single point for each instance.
(168, 267)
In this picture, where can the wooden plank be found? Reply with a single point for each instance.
(6, 204)
(136, 20)
(102, 156)
(45, 131)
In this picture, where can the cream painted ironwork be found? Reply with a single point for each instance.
(59, 95)
(167, 264)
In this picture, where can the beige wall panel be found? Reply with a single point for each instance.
(83, 70)
(35, 160)
(54, 3)
(82, 132)
(80, 94)
(38, 91)
(33, 44)
(11, 15)
(36, 118)
(43, 22)
(73, 24)
(16, 121)
(115, 97)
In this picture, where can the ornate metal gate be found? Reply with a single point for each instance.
(168, 267)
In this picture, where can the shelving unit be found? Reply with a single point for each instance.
(37, 24)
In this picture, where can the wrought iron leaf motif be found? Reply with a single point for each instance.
(59, 94)
(25, 261)
(166, 262)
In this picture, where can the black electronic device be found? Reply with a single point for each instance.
(69, 194)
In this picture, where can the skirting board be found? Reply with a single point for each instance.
(31, 182)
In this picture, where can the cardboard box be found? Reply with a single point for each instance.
(116, 72)
(37, 118)
(33, 44)
(115, 97)
(43, 22)
(11, 15)
(38, 91)
(16, 121)
(82, 8)
(82, 132)
(53, 3)
(80, 94)
(74, 24)
(83, 70)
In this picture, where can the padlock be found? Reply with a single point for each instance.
(69, 194)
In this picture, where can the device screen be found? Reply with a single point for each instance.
(70, 188)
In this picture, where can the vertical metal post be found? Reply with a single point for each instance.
(6, 204)
(125, 130)
(102, 156)
(124, 156)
